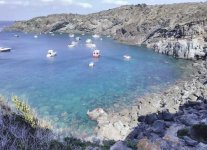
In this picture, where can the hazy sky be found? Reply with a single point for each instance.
(26, 9)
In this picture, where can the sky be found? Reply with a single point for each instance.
(26, 9)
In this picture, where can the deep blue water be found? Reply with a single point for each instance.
(64, 88)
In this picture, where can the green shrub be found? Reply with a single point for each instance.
(131, 144)
(199, 133)
(183, 132)
(25, 111)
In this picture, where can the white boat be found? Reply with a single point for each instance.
(52, 34)
(72, 35)
(96, 36)
(91, 64)
(108, 36)
(51, 53)
(127, 57)
(16, 35)
(36, 36)
(88, 41)
(96, 53)
(2, 49)
(83, 34)
(74, 43)
(77, 38)
(91, 45)
(71, 45)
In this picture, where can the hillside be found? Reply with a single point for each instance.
(176, 29)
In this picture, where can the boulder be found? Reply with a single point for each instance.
(96, 113)
(109, 132)
(151, 118)
(167, 116)
(193, 98)
(159, 127)
(141, 118)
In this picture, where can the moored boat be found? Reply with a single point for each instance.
(127, 57)
(51, 53)
(77, 38)
(2, 49)
(72, 35)
(88, 41)
(91, 64)
(96, 53)
(91, 45)
(96, 36)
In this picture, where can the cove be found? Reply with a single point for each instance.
(64, 88)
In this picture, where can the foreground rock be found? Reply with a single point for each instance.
(176, 29)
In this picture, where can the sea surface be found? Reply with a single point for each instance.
(64, 88)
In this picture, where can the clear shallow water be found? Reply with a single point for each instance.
(64, 88)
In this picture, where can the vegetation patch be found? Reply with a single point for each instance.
(183, 132)
(199, 133)
(25, 111)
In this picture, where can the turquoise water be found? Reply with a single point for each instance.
(64, 88)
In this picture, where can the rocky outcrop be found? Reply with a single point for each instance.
(177, 29)
(155, 120)
(183, 41)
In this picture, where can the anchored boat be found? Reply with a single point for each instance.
(51, 53)
(96, 36)
(96, 53)
(88, 41)
(91, 64)
(2, 49)
(127, 57)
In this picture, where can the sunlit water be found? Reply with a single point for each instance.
(64, 88)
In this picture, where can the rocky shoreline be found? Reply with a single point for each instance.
(181, 106)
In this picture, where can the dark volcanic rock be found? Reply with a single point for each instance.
(141, 118)
(151, 118)
(159, 127)
(166, 116)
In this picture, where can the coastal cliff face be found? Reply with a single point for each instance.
(177, 29)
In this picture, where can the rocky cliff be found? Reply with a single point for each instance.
(176, 29)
